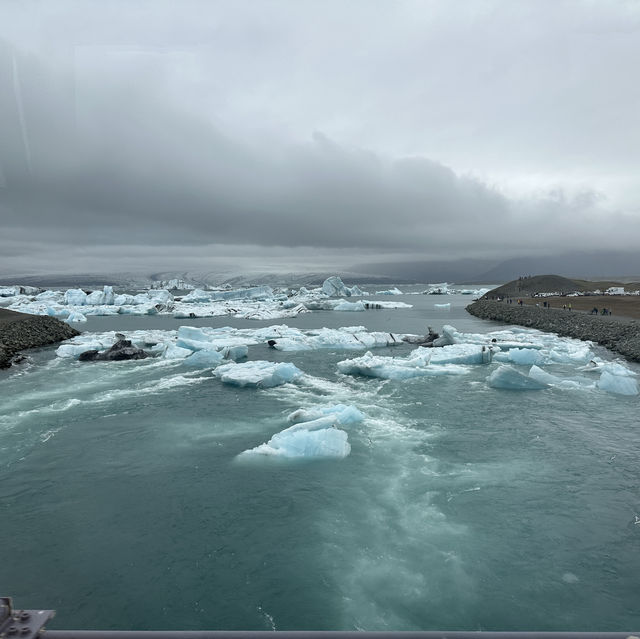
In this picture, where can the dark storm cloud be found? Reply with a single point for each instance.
(120, 135)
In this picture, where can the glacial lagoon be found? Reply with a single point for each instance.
(353, 492)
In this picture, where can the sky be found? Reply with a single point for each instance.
(304, 134)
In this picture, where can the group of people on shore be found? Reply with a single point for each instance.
(547, 304)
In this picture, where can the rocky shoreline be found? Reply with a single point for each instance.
(617, 334)
(19, 331)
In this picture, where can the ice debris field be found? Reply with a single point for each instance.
(516, 359)
(257, 302)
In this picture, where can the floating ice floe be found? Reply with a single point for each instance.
(438, 289)
(508, 378)
(349, 306)
(391, 291)
(617, 384)
(446, 306)
(417, 364)
(476, 292)
(343, 414)
(314, 435)
(553, 349)
(346, 338)
(524, 356)
(261, 374)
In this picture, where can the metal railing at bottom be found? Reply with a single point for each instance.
(30, 624)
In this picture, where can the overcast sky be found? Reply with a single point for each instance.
(165, 135)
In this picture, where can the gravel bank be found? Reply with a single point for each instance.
(621, 336)
(19, 331)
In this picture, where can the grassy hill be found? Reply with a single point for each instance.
(528, 286)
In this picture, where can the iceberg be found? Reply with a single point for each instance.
(544, 377)
(391, 291)
(253, 293)
(50, 296)
(334, 287)
(204, 358)
(463, 354)
(446, 306)
(69, 349)
(617, 384)
(347, 338)
(76, 316)
(524, 356)
(342, 413)
(508, 378)
(349, 306)
(318, 438)
(101, 298)
(176, 352)
(261, 374)
(75, 297)
(196, 295)
(57, 311)
(438, 289)
(417, 364)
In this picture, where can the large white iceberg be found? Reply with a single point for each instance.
(258, 373)
(334, 287)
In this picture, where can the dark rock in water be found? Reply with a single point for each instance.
(422, 340)
(122, 350)
(88, 356)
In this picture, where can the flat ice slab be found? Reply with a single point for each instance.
(417, 364)
(261, 374)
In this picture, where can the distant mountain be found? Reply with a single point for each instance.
(431, 271)
(609, 265)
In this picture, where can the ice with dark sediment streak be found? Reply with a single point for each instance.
(417, 364)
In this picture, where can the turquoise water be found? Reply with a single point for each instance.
(460, 506)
